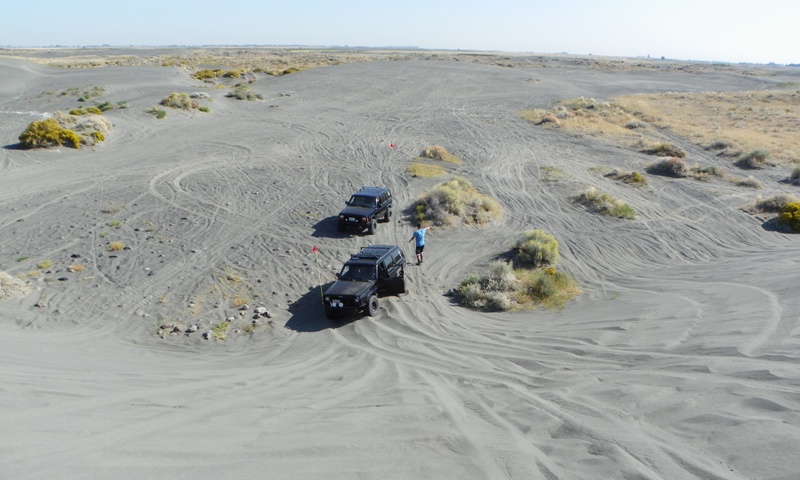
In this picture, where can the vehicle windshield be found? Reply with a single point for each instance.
(357, 272)
(359, 201)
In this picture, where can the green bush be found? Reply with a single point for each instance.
(789, 216)
(204, 109)
(48, 133)
(157, 112)
(456, 200)
(537, 248)
(94, 110)
(78, 111)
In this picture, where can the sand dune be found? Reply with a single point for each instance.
(679, 360)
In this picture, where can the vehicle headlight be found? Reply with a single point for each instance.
(341, 217)
(327, 299)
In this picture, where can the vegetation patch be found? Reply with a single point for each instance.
(48, 133)
(794, 177)
(633, 178)
(243, 92)
(669, 167)
(439, 153)
(156, 112)
(661, 149)
(179, 100)
(789, 216)
(770, 204)
(425, 170)
(44, 264)
(505, 287)
(536, 248)
(115, 246)
(755, 159)
(604, 204)
(456, 201)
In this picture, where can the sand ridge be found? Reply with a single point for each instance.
(679, 360)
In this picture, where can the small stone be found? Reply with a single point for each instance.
(191, 329)
(230, 319)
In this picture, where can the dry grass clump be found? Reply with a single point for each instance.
(794, 177)
(48, 133)
(633, 178)
(585, 115)
(180, 100)
(504, 288)
(44, 264)
(425, 170)
(661, 149)
(156, 112)
(604, 204)
(770, 204)
(789, 216)
(730, 122)
(115, 246)
(537, 248)
(456, 201)
(439, 153)
(750, 182)
(670, 167)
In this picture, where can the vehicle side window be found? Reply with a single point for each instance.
(386, 262)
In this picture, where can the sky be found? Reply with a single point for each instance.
(750, 31)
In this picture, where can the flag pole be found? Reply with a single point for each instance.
(319, 274)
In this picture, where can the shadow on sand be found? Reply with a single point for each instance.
(308, 314)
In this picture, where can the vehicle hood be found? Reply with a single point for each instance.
(348, 288)
(356, 211)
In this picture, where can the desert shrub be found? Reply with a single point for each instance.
(243, 92)
(101, 107)
(794, 177)
(439, 153)
(44, 264)
(122, 104)
(48, 133)
(156, 112)
(626, 177)
(663, 150)
(770, 204)
(232, 74)
(751, 182)
(503, 288)
(703, 173)
(789, 216)
(605, 204)
(671, 167)
(78, 111)
(95, 110)
(200, 95)
(755, 159)
(635, 124)
(456, 200)
(290, 70)
(206, 74)
(179, 100)
(536, 247)
(115, 246)
(204, 109)
(98, 136)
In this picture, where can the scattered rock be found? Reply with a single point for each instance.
(191, 329)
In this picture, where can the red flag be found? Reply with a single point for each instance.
(392, 145)
(315, 250)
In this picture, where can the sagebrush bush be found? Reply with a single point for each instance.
(537, 248)
(671, 167)
(456, 200)
(243, 92)
(179, 100)
(770, 204)
(755, 159)
(605, 204)
(789, 216)
(794, 177)
(751, 182)
(48, 133)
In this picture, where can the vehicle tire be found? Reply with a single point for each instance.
(401, 285)
(387, 214)
(331, 315)
(373, 225)
(372, 306)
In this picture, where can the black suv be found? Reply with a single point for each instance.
(364, 208)
(375, 269)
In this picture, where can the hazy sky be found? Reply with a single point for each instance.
(723, 30)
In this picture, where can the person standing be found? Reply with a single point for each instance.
(419, 238)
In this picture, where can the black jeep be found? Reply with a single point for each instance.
(375, 269)
(364, 208)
